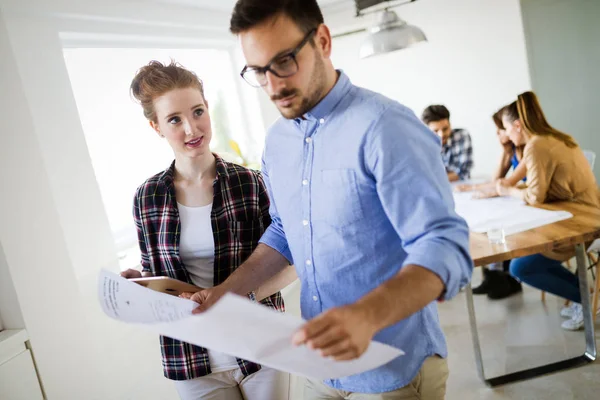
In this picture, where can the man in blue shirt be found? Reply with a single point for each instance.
(360, 204)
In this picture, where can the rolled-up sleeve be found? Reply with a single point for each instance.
(403, 158)
(274, 235)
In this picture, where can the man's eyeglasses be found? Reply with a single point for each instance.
(282, 66)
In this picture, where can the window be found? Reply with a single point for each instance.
(123, 148)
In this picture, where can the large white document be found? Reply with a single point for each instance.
(508, 213)
(234, 325)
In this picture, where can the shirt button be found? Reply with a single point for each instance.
(322, 121)
(315, 298)
(308, 262)
(308, 140)
(305, 182)
(305, 222)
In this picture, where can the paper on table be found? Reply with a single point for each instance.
(478, 211)
(528, 218)
(509, 213)
(234, 326)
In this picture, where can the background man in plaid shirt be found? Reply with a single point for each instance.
(457, 150)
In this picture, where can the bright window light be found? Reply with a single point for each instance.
(123, 148)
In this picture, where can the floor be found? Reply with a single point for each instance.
(516, 333)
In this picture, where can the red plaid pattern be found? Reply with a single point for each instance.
(240, 215)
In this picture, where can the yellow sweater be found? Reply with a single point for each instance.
(556, 172)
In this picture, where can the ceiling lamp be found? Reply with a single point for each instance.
(390, 34)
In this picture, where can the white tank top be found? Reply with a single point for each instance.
(197, 251)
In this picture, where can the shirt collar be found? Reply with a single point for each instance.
(222, 170)
(331, 100)
(168, 175)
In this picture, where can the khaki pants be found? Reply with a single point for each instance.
(429, 384)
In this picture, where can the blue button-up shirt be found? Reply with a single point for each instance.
(358, 190)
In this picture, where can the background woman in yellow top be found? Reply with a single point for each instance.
(497, 283)
(557, 170)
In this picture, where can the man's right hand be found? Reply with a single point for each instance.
(131, 274)
(205, 298)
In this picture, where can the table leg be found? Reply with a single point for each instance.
(590, 342)
(474, 332)
(588, 318)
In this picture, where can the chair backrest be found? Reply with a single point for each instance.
(591, 157)
(595, 246)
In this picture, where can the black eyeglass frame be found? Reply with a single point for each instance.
(267, 68)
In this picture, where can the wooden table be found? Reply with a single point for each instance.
(583, 227)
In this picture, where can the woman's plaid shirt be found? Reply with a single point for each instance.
(240, 215)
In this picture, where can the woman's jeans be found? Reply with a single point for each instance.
(548, 275)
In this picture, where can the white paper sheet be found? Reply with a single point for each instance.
(234, 326)
(507, 212)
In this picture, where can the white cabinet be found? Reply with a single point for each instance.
(18, 378)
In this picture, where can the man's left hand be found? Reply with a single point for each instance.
(342, 333)
(206, 297)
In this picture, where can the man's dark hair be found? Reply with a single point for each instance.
(249, 13)
(435, 113)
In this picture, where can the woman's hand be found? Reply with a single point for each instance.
(508, 148)
(464, 188)
(502, 187)
(131, 274)
(485, 194)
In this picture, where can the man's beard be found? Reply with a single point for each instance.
(315, 92)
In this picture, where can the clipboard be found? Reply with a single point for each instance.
(167, 285)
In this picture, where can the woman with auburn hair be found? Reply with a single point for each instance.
(557, 170)
(497, 283)
(511, 157)
(197, 221)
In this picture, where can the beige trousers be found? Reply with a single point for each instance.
(429, 384)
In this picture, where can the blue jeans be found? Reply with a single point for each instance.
(546, 274)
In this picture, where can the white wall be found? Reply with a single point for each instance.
(32, 238)
(54, 232)
(474, 63)
(10, 309)
(567, 86)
